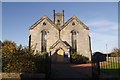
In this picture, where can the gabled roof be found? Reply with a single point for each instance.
(64, 43)
(52, 23)
(40, 20)
(72, 18)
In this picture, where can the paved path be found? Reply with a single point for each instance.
(71, 71)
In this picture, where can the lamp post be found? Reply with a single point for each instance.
(107, 52)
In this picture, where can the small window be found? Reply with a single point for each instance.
(73, 23)
(58, 20)
(44, 23)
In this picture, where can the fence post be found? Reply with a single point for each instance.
(98, 67)
(46, 66)
(93, 69)
(50, 62)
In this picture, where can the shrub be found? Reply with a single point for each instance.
(19, 64)
(24, 63)
(20, 59)
(82, 59)
(79, 59)
(115, 52)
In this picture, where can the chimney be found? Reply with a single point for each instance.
(63, 15)
(54, 16)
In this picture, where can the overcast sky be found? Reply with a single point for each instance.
(100, 17)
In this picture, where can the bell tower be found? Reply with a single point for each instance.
(58, 18)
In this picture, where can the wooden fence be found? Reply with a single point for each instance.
(105, 66)
(110, 67)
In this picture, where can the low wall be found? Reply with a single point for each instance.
(22, 75)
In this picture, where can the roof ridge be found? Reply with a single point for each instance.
(59, 40)
(43, 17)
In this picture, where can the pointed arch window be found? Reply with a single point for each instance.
(74, 41)
(43, 41)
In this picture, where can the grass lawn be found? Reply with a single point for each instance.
(111, 68)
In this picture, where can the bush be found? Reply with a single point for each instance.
(79, 59)
(24, 63)
(115, 52)
(18, 64)
(40, 61)
(20, 59)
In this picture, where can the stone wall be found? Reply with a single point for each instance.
(21, 75)
(52, 35)
(83, 45)
(83, 41)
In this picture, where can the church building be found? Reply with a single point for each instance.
(60, 38)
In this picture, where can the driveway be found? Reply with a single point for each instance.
(71, 71)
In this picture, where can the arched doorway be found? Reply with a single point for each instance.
(60, 55)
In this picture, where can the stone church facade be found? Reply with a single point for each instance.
(58, 38)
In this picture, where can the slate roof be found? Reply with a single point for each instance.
(63, 26)
(72, 18)
(40, 20)
(64, 43)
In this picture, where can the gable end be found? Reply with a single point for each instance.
(40, 20)
(71, 19)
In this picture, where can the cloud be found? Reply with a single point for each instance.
(102, 32)
(99, 42)
(102, 25)
(104, 38)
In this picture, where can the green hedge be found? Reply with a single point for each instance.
(21, 59)
(79, 59)
(24, 63)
